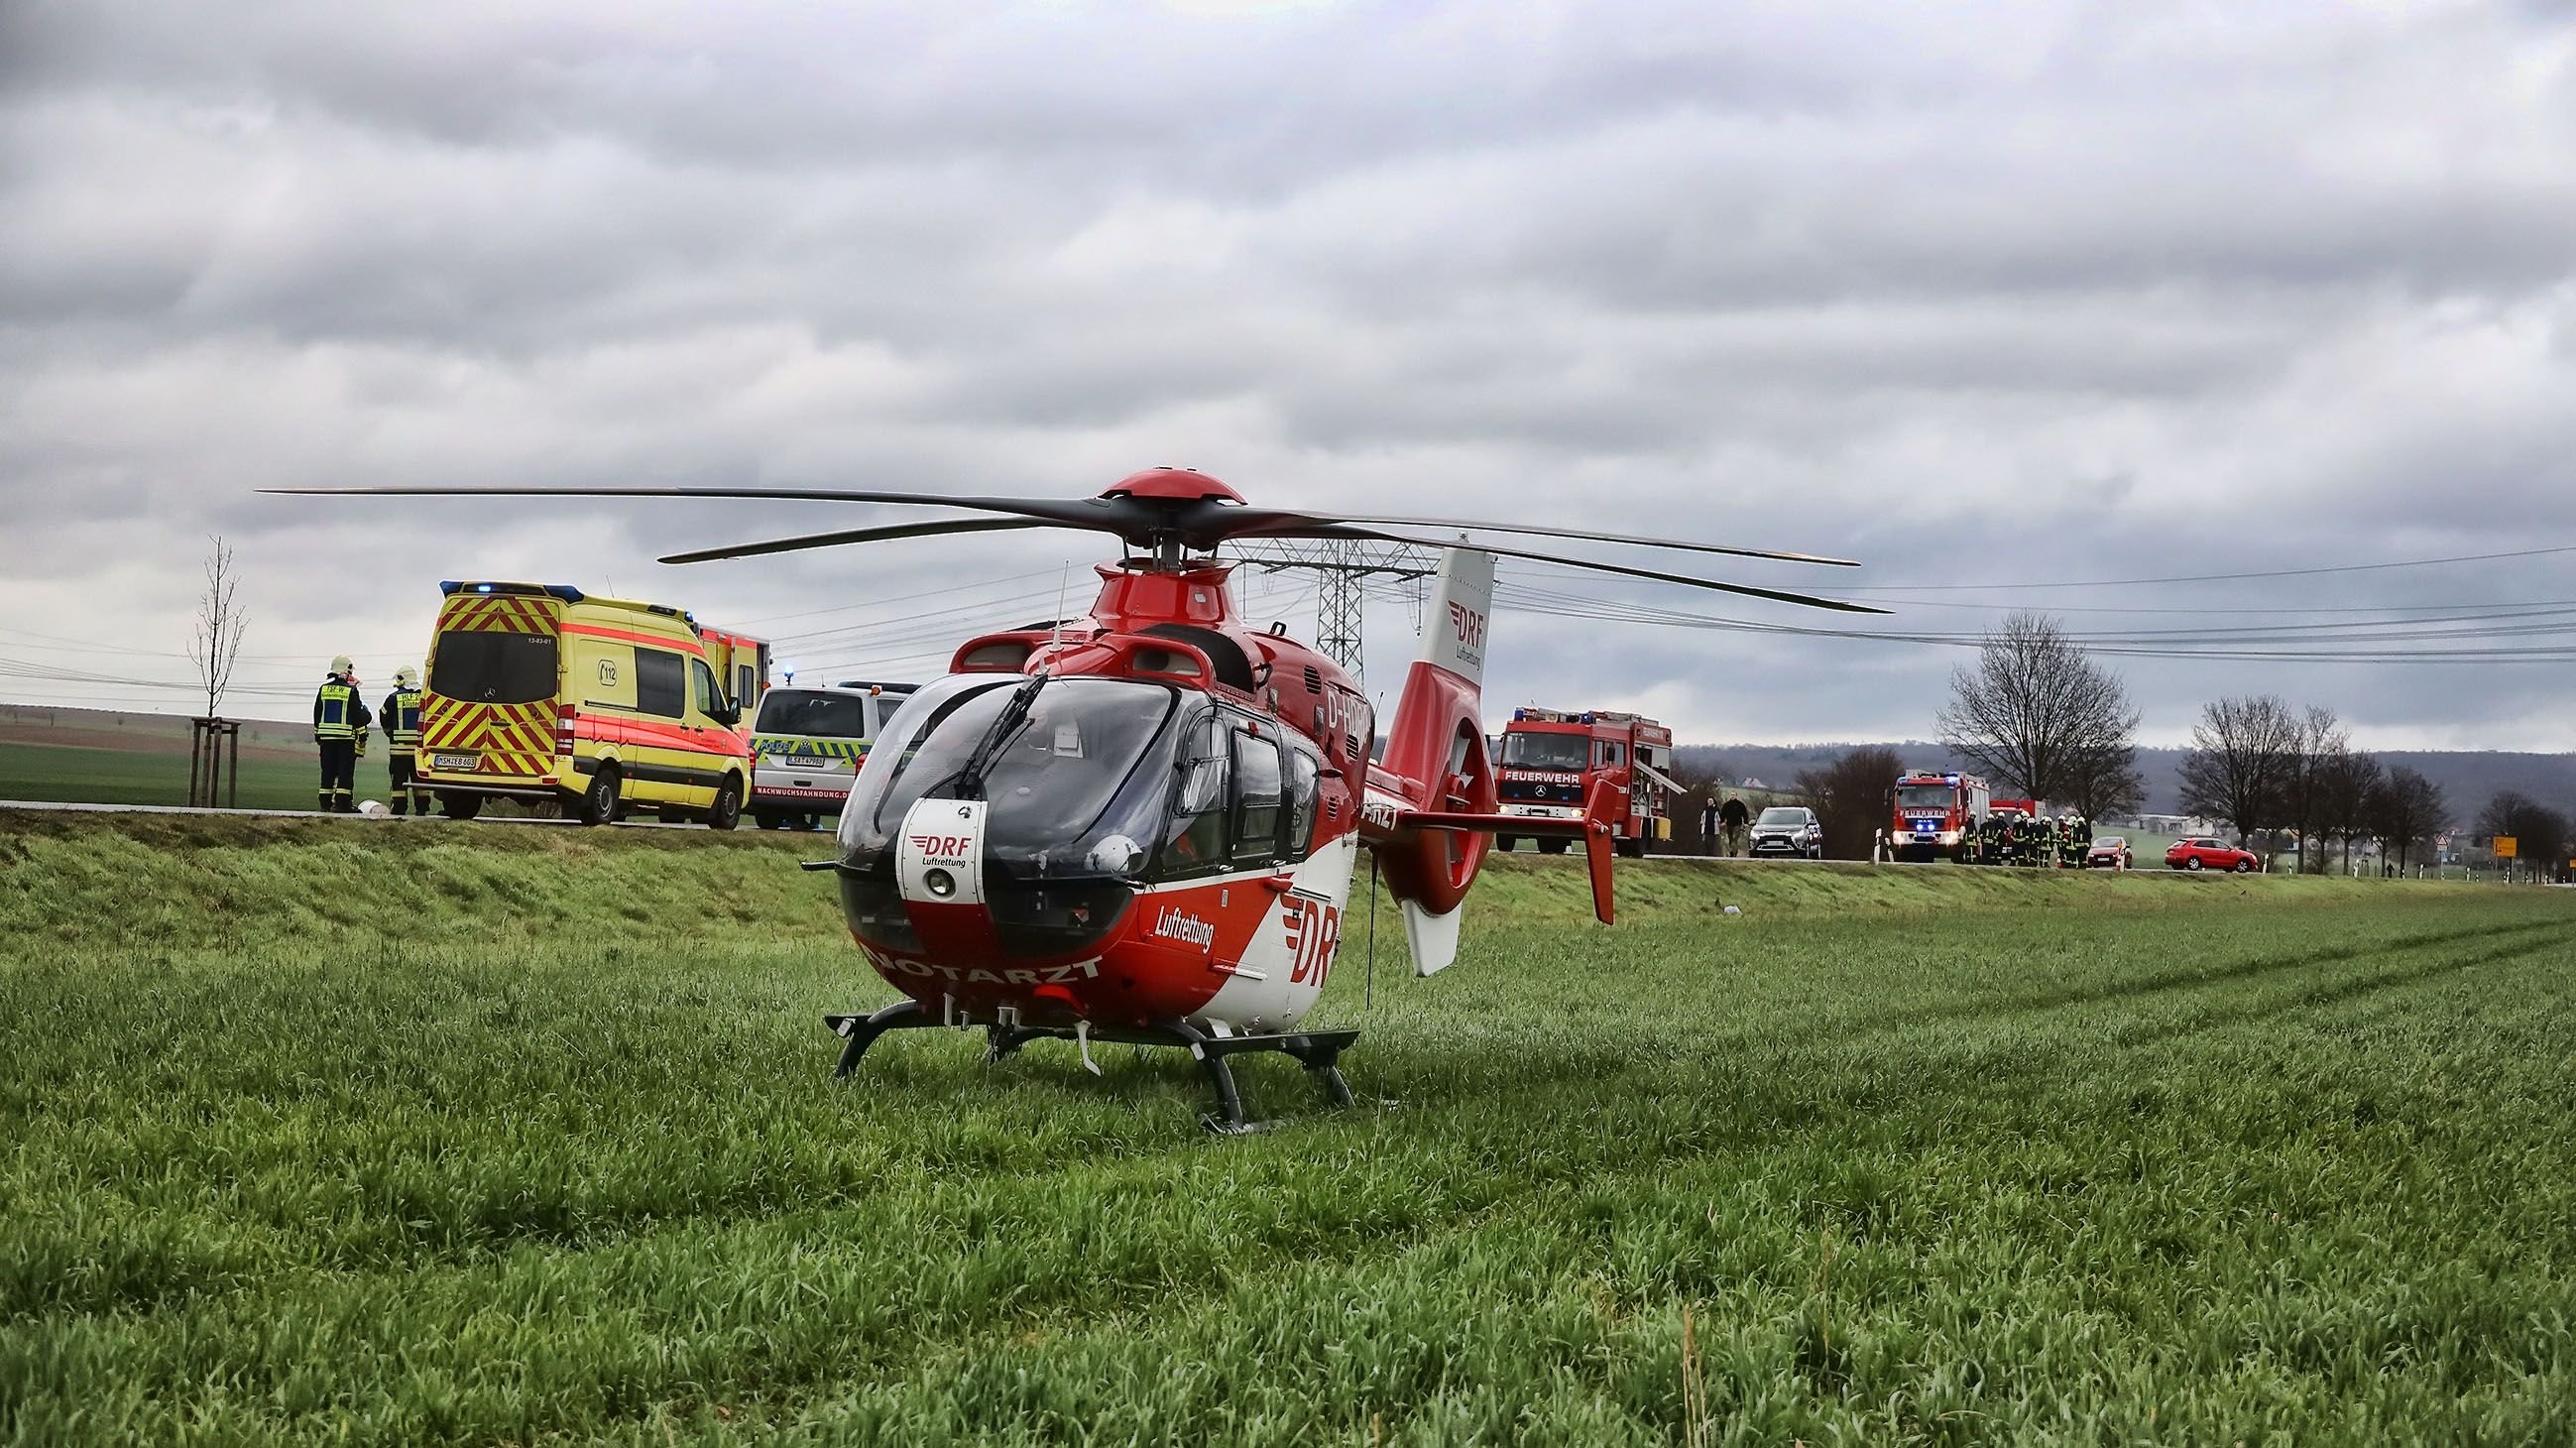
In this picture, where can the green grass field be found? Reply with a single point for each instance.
(139, 776)
(323, 1132)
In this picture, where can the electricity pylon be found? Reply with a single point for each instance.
(1344, 568)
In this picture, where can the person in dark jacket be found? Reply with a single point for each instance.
(340, 721)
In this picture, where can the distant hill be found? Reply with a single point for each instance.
(2468, 778)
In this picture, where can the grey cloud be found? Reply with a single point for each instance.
(2005, 292)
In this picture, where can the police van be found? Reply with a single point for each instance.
(807, 746)
(543, 693)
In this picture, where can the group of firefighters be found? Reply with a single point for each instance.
(341, 723)
(2009, 837)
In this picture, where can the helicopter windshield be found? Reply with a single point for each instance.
(1075, 771)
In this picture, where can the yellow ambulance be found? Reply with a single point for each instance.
(541, 692)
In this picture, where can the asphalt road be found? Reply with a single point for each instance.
(67, 807)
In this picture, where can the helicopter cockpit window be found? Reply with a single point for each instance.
(1256, 798)
(1074, 771)
(1305, 785)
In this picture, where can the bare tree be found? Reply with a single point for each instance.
(220, 622)
(1853, 799)
(2406, 812)
(2103, 779)
(2240, 751)
(2033, 707)
(2344, 789)
(1699, 795)
(2541, 832)
(2305, 777)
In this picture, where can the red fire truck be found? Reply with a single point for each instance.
(1934, 814)
(1550, 757)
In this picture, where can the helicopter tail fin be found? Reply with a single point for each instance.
(1431, 939)
(1437, 763)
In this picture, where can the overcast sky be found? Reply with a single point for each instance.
(1984, 294)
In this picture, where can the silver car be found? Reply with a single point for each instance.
(1789, 830)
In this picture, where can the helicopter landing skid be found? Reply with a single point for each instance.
(1318, 1051)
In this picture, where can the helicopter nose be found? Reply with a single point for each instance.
(939, 868)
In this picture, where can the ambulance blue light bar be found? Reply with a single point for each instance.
(564, 591)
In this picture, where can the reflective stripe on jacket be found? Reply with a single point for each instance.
(401, 718)
(337, 712)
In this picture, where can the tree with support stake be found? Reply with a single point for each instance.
(214, 742)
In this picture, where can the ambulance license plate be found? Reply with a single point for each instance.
(455, 761)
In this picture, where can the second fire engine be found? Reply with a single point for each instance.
(1550, 758)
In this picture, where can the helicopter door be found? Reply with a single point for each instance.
(1194, 839)
(1257, 797)
(1305, 788)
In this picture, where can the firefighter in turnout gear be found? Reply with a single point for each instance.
(400, 716)
(340, 721)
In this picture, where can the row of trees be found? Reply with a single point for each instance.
(2041, 720)
(2264, 766)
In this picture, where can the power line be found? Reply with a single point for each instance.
(2216, 577)
(880, 603)
(2213, 644)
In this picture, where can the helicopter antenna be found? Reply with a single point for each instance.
(1062, 580)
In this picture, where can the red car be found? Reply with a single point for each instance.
(2211, 855)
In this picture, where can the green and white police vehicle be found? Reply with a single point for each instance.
(807, 745)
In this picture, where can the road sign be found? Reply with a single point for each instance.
(2507, 846)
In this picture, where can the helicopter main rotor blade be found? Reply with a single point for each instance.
(859, 535)
(1082, 513)
(1807, 600)
(1200, 523)
(1270, 521)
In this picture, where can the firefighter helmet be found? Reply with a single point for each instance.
(406, 677)
(340, 664)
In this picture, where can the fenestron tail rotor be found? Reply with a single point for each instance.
(1168, 513)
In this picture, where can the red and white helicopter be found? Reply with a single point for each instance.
(1142, 825)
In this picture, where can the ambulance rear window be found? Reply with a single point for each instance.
(813, 715)
(493, 668)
